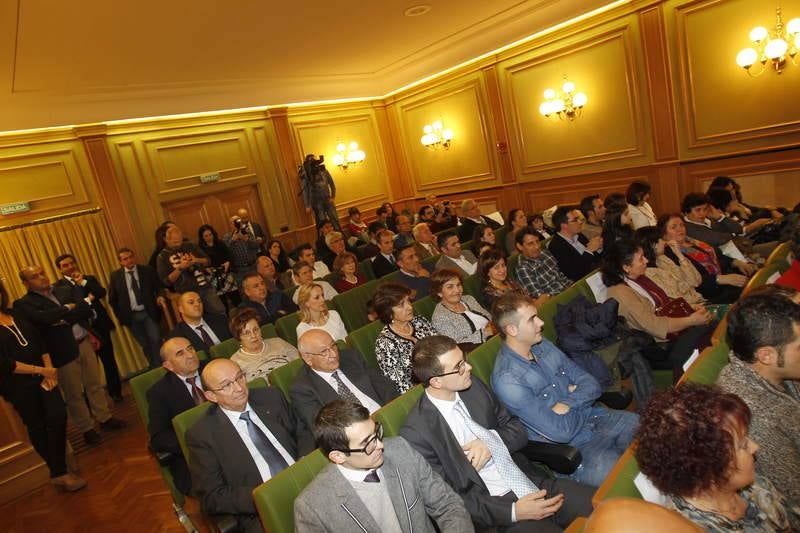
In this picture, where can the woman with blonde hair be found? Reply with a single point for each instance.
(314, 313)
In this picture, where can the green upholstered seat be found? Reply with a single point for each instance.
(780, 255)
(707, 367)
(331, 278)
(511, 265)
(275, 498)
(430, 263)
(761, 277)
(287, 327)
(224, 349)
(393, 415)
(365, 267)
(472, 286)
(289, 291)
(352, 305)
(500, 235)
(283, 376)
(466, 245)
(619, 482)
(424, 307)
(482, 359)
(363, 339)
(390, 277)
(268, 331)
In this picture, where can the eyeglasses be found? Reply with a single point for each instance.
(460, 369)
(227, 386)
(325, 351)
(184, 351)
(371, 444)
(571, 220)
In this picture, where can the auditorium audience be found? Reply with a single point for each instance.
(306, 254)
(314, 313)
(257, 356)
(575, 254)
(594, 213)
(160, 240)
(537, 223)
(269, 305)
(303, 275)
(213, 247)
(203, 330)
(483, 238)
(517, 219)
(265, 267)
(764, 369)
(641, 213)
(471, 217)
(552, 396)
(335, 245)
(678, 281)
(29, 381)
(404, 235)
(250, 227)
(677, 326)
(330, 374)
(244, 439)
(391, 216)
(242, 247)
(382, 217)
(453, 257)
(617, 226)
(458, 315)
(537, 270)
(278, 256)
(743, 210)
(346, 268)
(694, 446)
(177, 391)
(495, 280)
(471, 440)
(412, 274)
(425, 241)
(324, 227)
(401, 331)
(356, 229)
(384, 262)
(370, 481)
(722, 204)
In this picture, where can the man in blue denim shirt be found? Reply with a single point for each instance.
(552, 396)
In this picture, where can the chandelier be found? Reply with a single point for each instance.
(567, 103)
(771, 47)
(348, 154)
(436, 136)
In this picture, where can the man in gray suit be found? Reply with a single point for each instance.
(373, 486)
(453, 257)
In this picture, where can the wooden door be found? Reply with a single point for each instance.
(21, 468)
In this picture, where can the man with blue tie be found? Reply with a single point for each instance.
(240, 442)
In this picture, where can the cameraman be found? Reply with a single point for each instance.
(319, 190)
(243, 248)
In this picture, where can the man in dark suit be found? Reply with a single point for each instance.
(240, 442)
(101, 324)
(470, 219)
(203, 330)
(179, 390)
(252, 228)
(62, 317)
(371, 249)
(412, 274)
(133, 295)
(576, 255)
(384, 263)
(329, 375)
(471, 440)
(270, 306)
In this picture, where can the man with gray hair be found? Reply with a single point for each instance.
(471, 218)
(425, 241)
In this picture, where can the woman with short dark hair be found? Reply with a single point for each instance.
(458, 315)
(495, 281)
(517, 219)
(483, 238)
(641, 213)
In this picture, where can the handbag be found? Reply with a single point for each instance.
(675, 308)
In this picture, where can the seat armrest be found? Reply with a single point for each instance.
(561, 458)
(225, 524)
(163, 458)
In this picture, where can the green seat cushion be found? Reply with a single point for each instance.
(621, 485)
(424, 307)
(363, 339)
(352, 305)
(482, 359)
(393, 415)
(430, 263)
(472, 286)
(708, 366)
(283, 376)
(224, 349)
(286, 327)
(365, 267)
(760, 278)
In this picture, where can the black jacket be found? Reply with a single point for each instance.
(570, 262)
(102, 323)
(119, 298)
(382, 266)
(218, 324)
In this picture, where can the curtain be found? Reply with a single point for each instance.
(87, 237)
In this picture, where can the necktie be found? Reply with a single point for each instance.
(137, 290)
(268, 451)
(204, 335)
(517, 480)
(197, 394)
(344, 391)
(372, 477)
(391, 259)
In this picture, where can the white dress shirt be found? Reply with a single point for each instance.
(465, 265)
(365, 400)
(320, 270)
(574, 242)
(187, 385)
(241, 429)
(206, 327)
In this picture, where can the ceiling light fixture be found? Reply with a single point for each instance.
(771, 47)
(436, 136)
(348, 154)
(567, 104)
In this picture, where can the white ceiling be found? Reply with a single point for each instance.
(95, 60)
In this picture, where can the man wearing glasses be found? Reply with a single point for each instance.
(240, 442)
(179, 390)
(472, 441)
(330, 375)
(576, 255)
(372, 484)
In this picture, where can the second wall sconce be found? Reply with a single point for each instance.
(771, 47)
(566, 104)
(436, 136)
(348, 154)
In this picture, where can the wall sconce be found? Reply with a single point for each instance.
(436, 136)
(771, 47)
(566, 104)
(348, 155)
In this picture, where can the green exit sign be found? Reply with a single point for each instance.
(16, 207)
(210, 178)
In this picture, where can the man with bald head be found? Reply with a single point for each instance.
(330, 374)
(179, 390)
(252, 228)
(203, 330)
(243, 440)
(270, 305)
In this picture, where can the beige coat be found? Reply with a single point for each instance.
(677, 281)
(638, 311)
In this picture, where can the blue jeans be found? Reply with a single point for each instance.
(146, 332)
(613, 432)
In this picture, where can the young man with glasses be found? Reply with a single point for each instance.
(576, 255)
(329, 375)
(373, 484)
(240, 442)
(471, 440)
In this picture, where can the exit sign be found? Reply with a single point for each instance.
(16, 207)
(210, 178)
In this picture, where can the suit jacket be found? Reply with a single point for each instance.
(224, 473)
(329, 503)
(218, 324)
(166, 399)
(102, 323)
(418, 283)
(277, 305)
(310, 393)
(382, 266)
(120, 299)
(423, 252)
(369, 251)
(570, 262)
(428, 433)
(54, 321)
(467, 227)
(446, 262)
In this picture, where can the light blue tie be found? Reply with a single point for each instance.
(508, 469)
